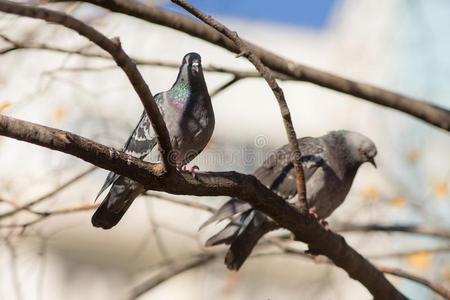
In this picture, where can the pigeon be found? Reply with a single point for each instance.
(330, 163)
(187, 111)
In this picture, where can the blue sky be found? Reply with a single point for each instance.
(304, 13)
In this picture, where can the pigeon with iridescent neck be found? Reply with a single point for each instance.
(187, 111)
(330, 163)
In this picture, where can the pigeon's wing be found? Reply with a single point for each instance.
(278, 172)
(142, 140)
(231, 207)
(140, 143)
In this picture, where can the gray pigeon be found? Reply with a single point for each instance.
(189, 117)
(330, 163)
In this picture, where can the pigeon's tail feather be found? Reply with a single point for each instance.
(243, 244)
(227, 235)
(231, 207)
(116, 203)
(105, 217)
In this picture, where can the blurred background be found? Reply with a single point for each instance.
(400, 45)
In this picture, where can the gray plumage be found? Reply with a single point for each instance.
(187, 111)
(330, 163)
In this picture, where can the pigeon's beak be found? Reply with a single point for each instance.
(196, 66)
(372, 161)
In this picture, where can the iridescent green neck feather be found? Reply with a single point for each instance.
(180, 93)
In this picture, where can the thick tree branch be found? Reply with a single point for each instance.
(427, 112)
(246, 187)
(114, 48)
(277, 91)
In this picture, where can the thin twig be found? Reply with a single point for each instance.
(415, 229)
(406, 253)
(48, 195)
(441, 290)
(169, 273)
(277, 91)
(45, 214)
(224, 86)
(24, 45)
(182, 202)
(14, 269)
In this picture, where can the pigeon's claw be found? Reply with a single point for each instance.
(321, 221)
(190, 169)
(314, 214)
(324, 224)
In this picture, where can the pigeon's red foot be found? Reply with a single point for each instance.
(321, 221)
(314, 214)
(190, 169)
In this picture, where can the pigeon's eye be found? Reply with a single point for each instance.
(362, 151)
(185, 62)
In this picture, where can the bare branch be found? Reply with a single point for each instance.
(441, 290)
(245, 50)
(432, 231)
(14, 269)
(427, 112)
(114, 48)
(45, 214)
(246, 187)
(224, 86)
(25, 45)
(48, 195)
(181, 202)
(410, 252)
(171, 271)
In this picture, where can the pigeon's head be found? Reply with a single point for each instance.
(361, 148)
(191, 69)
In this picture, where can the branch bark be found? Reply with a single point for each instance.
(114, 48)
(427, 112)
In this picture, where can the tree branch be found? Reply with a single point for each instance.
(277, 91)
(427, 112)
(246, 187)
(114, 48)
